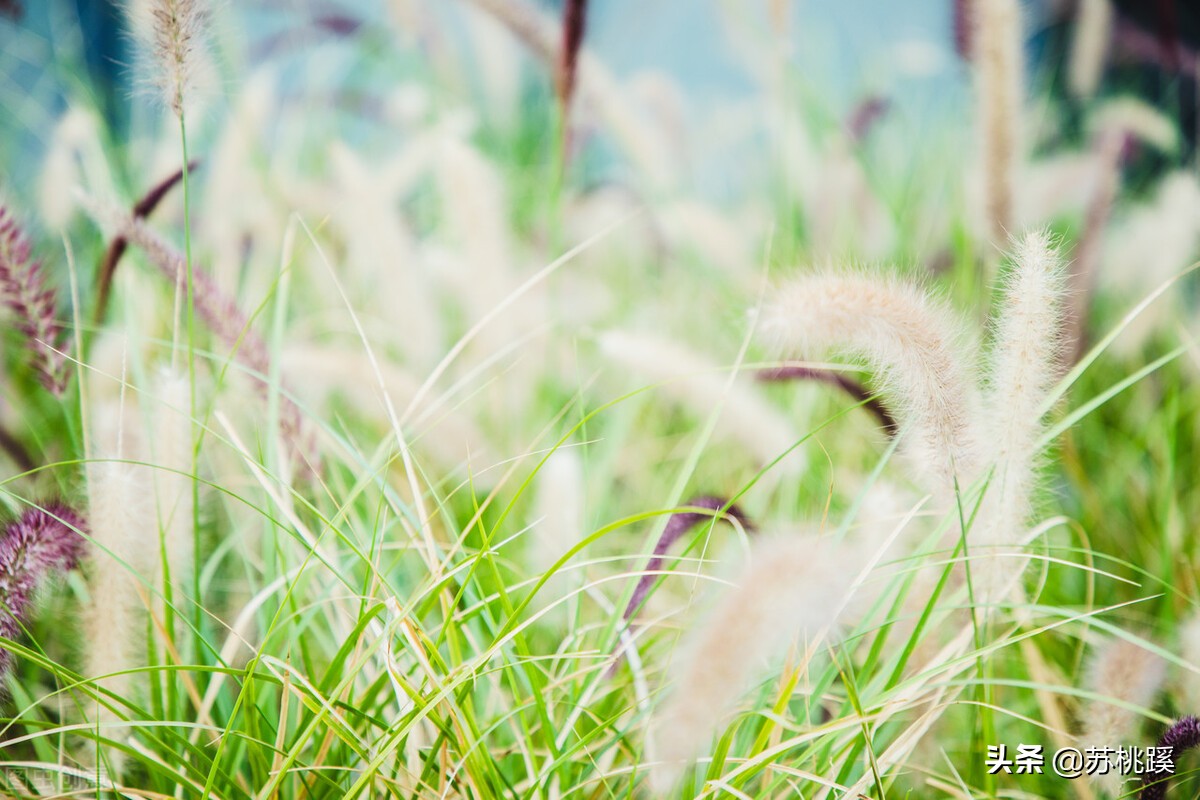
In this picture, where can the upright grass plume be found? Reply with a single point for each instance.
(1023, 365)
(1130, 675)
(40, 544)
(999, 75)
(24, 291)
(172, 445)
(123, 555)
(178, 30)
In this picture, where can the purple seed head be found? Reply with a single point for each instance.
(1180, 737)
(42, 543)
(678, 525)
(24, 291)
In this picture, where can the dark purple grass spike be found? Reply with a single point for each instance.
(850, 386)
(573, 30)
(40, 544)
(963, 28)
(865, 116)
(678, 525)
(117, 247)
(1182, 736)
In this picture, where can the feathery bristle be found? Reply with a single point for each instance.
(179, 26)
(912, 341)
(24, 291)
(1023, 365)
(41, 543)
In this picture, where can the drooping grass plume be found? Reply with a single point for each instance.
(793, 590)
(912, 341)
(573, 27)
(1089, 46)
(218, 310)
(1124, 672)
(1180, 737)
(853, 388)
(1023, 365)
(702, 386)
(41, 544)
(999, 74)
(678, 525)
(24, 292)
(116, 248)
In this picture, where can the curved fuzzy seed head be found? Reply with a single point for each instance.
(914, 344)
(701, 386)
(1182, 736)
(1130, 116)
(793, 590)
(1130, 675)
(38, 545)
(999, 77)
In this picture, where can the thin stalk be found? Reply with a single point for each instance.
(191, 345)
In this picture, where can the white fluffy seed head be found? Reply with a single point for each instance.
(121, 523)
(173, 32)
(1128, 674)
(173, 471)
(1135, 117)
(916, 346)
(1023, 365)
(793, 590)
(1026, 350)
